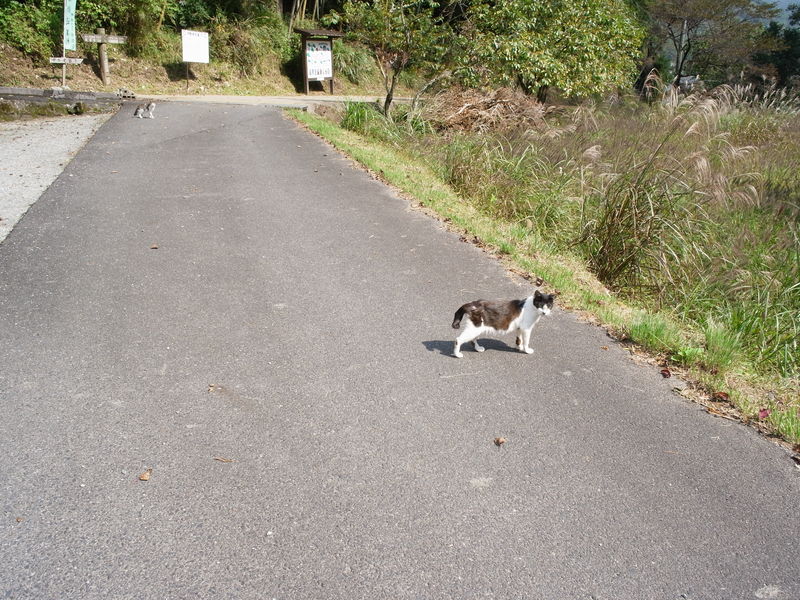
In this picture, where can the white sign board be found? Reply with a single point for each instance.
(61, 60)
(319, 60)
(195, 46)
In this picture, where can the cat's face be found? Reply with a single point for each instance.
(543, 302)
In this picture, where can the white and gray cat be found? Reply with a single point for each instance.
(145, 109)
(496, 317)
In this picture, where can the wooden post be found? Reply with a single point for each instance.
(101, 39)
(103, 56)
(64, 64)
(303, 40)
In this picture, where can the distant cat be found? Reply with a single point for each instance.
(143, 109)
(499, 317)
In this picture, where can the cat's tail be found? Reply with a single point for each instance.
(458, 316)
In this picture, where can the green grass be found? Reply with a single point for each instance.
(657, 333)
(722, 347)
(540, 206)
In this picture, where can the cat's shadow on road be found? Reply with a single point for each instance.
(445, 347)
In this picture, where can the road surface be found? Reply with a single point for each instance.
(219, 300)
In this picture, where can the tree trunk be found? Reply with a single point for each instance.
(523, 83)
(390, 94)
(541, 93)
(682, 52)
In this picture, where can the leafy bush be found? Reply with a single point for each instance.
(246, 36)
(353, 61)
(249, 43)
(189, 13)
(33, 28)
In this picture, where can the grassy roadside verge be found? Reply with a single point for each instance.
(768, 405)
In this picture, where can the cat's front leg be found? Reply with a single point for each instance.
(478, 347)
(526, 341)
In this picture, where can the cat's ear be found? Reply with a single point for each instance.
(537, 294)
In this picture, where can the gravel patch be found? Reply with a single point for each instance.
(32, 155)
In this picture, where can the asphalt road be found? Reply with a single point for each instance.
(216, 283)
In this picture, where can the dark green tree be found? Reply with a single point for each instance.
(785, 60)
(579, 46)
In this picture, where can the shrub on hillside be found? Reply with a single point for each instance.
(32, 28)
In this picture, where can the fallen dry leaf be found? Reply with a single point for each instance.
(603, 347)
(720, 397)
(20, 519)
(763, 413)
(154, 247)
(666, 373)
(499, 441)
(146, 475)
(221, 459)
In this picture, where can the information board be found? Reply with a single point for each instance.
(195, 46)
(319, 60)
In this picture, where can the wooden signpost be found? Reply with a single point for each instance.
(101, 39)
(318, 55)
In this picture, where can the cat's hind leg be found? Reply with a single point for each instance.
(469, 334)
